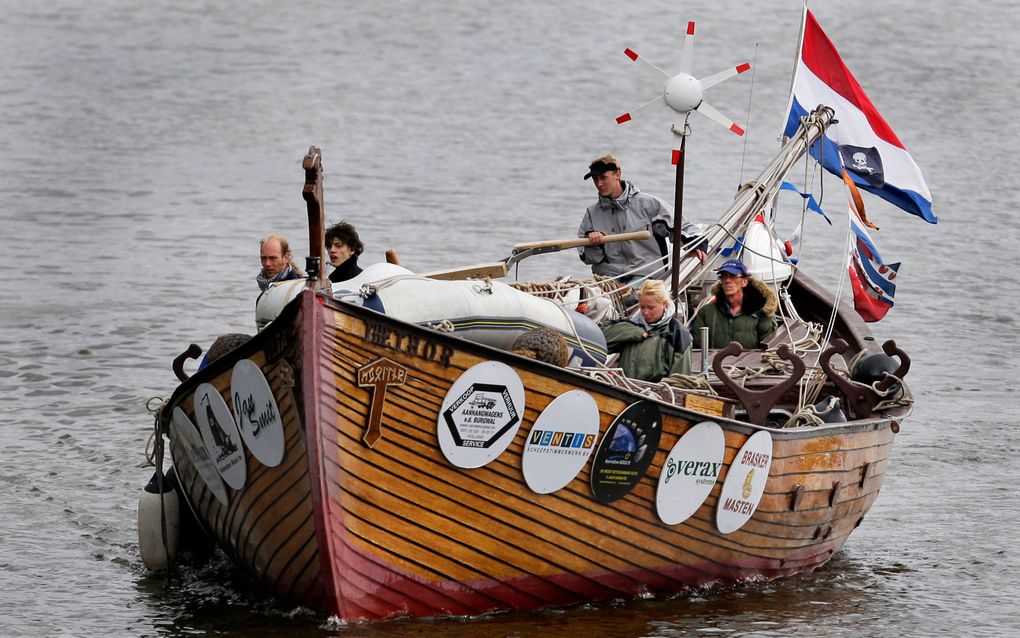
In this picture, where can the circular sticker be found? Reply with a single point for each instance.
(199, 455)
(626, 451)
(745, 483)
(258, 417)
(219, 432)
(690, 472)
(561, 441)
(480, 414)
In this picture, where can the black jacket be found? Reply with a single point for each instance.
(347, 270)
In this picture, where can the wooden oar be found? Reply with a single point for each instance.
(527, 249)
(562, 244)
(538, 247)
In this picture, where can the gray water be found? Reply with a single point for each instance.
(146, 147)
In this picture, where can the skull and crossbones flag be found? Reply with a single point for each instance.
(866, 163)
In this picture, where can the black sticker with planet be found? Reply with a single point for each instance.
(626, 451)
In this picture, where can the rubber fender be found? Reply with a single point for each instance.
(155, 555)
(873, 367)
(829, 411)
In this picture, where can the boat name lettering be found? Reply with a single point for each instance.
(755, 459)
(738, 506)
(408, 343)
(382, 374)
(259, 421)
(691, 468)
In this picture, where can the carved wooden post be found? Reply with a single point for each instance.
(312, 193)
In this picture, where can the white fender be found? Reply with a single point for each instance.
(150, 529)
(761, 253)
(768, 261)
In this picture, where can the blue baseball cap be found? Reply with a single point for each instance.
(733, 267)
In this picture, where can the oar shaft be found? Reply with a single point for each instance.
(563, 244)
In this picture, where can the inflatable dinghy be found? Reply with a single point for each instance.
(492, 313)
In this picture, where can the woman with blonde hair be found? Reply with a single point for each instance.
(652, 343)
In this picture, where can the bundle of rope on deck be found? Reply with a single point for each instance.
(558, 290)
(774, 366)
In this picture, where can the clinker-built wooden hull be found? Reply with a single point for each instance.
(365, 517)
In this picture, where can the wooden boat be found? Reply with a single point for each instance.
(369, 467)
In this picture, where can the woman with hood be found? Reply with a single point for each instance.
(743, 309)
(652, 343)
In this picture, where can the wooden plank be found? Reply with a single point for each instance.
(492, 270)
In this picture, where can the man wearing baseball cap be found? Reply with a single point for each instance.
(622, 208)
(742, 309)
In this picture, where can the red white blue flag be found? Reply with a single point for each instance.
(860, 141)
(872, 279)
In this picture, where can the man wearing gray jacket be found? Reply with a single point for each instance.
(622, 208)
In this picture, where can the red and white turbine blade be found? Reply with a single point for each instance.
(722, 76)
(648, 66)
(687, 55)
(708, 111)
(644, 109)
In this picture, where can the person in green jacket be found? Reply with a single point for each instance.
(652, 343)
(743, 309)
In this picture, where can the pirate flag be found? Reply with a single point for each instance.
(863, 162)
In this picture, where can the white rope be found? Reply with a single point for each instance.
(153, 406)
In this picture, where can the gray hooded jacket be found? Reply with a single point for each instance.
(631, 211)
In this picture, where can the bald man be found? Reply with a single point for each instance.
(277, 262)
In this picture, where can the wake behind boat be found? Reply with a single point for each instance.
(377, 449)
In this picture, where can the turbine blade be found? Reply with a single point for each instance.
(646, 65)
(722, 76)
(649, 106)
(687, 55)
(708, 111)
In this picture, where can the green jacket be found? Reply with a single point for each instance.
(650, 353)
(757, 318)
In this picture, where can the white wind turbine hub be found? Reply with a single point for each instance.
(683, 93)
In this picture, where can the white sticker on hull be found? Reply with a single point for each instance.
(220, 434)
(561, 441)
(481, 414)
(258, 417)
(199, 455)
(745, 483)
(690, 472)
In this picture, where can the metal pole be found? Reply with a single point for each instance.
(678, 215)
(704, 349)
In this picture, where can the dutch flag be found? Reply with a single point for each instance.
(861, 140)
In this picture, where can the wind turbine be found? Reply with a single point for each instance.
(683, 93)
